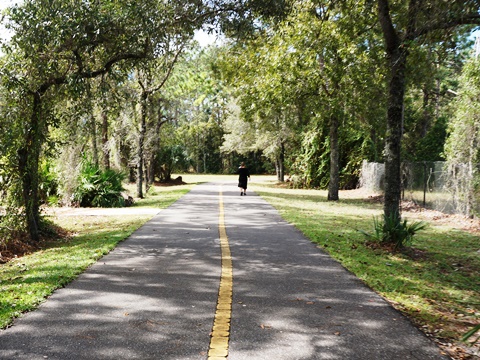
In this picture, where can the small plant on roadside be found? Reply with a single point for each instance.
(394, 232)
(99, 188)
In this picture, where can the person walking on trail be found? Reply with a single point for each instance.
(243, 176)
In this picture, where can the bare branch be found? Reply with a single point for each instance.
(170, 69)
(61, 80)
(469, 19)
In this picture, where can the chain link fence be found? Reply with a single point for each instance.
(433, 185)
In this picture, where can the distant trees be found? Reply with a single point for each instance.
(462, 147)
(310, 74)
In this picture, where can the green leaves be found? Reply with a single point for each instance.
(391, 231)
(97, 188)
(471, 332)
(463, 141)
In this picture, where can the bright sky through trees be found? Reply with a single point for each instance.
(203, 38)
(206, 39)
(4, 4)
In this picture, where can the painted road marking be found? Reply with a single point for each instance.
(223, 315)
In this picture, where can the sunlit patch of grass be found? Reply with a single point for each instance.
(435, 282)
(162, 197)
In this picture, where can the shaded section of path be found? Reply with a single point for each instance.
(154, 296)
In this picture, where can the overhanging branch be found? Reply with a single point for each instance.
(83, 74)
(469, 19)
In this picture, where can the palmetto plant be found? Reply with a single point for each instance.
(394, 232)
(99, 188)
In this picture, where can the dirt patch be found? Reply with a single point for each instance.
(411, 252)
(15, 248)
(456, 221)
(69, 211)
(411, 209)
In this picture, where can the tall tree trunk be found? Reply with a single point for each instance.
(426, 113)
(156, 144)
(93, 125)
(105, 147)
(141, 141)
(94, 139)
(394, 134)
(29, 157)
(151, 169)
(396, 52)
(437, 97)
(277, 167)
(204, 161)
(146, 166)
(375, 146)
(334, 182)
(280, 163)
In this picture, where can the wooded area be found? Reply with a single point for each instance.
(95, 93)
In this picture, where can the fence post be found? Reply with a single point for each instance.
(424, 184)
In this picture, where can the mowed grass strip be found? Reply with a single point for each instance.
(25, 282)
(435, 282)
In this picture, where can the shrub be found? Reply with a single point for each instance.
(394, 232)
(48, 183)
(99, 188)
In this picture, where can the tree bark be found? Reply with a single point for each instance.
(334, 184)
(29, 157)
(105, 148)
(94, 139)
(141, 141)
(426, 113)
(280, 164)
(146, 166)
(396, 55)
(93, 125)
(394, 134)
(156, 143)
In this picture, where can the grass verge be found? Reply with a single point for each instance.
(435, 282)
(26, 281)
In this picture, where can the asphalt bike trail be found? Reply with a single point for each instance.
(216, 275)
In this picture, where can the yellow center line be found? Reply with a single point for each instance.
(221, 323)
